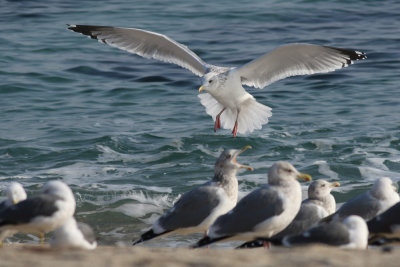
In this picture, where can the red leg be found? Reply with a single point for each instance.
(217, 124)
(266, 244)
(235, 128)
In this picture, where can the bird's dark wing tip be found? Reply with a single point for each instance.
(147, 236)
(207, 241)
(87, 30)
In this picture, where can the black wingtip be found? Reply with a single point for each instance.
(207, 241)
(203, 242)
(86, 30)
(144, 237)
(148, 235)
(351, 55)
(260, 242)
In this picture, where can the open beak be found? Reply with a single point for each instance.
(201, 88)
(335, 184)
(238, 153)
(303, 176)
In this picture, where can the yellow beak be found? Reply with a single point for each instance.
(335, 184)
(201, 88)
(305, 177)
(237, 154)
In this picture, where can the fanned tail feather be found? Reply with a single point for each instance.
(253, 115)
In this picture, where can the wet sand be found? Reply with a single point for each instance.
(34, 255)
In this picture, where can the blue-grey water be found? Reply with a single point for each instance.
(129, 135)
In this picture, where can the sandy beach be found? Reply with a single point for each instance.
(33, 255)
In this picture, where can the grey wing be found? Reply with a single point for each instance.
(26, 210)
(87, 232)
(363, 205)
(146, 44)
(251, 210)
(334, 233)
(4, 204)
(385, 222)
(308, 216)
(293, 60)
(191, 209)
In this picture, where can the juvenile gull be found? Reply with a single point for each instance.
(197, 209)
(386, 226)
(351, 233)
(74, 235)
(15, 194)
(226, 101)
(367, 205)
(319, 204)
(263, 212)
(40, 214)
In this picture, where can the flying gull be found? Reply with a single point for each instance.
(226, 101)
(351, 233)
(197, 209)
(367, 205)
(386, 226)
(263, 212)
(74, 235)
(15, 194)
(40, 214)
(319, 204)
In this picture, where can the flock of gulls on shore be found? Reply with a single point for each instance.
(272, 215)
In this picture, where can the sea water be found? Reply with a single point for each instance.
(129, 135)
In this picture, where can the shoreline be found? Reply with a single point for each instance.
(315, 255)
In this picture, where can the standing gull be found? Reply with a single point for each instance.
(351, 233)
(319, 204)
(386, 226)
(226, 101)
(263, 212)
(197, 209)
(15, 194)
(40, 214)
(74, 235)
(367, 205)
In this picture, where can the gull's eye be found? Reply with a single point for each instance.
(323, 185)
(210, 81)
(289, 170)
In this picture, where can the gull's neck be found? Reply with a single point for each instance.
(327, 202)
(226, 179)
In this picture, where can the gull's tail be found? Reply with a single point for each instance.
(252, 116)
(208, 240)
(260, 242)
(147, 236)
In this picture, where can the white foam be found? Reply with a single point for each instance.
(324, 169)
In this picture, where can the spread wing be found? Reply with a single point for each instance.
(146, 44)
(293, 60)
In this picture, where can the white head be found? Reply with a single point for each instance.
(62, 191)
(57, 188)
(385, 188)
(227, 162)
(16, 193)
(211, 82)
(358, 231)
(319, 189)
(283, 171)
